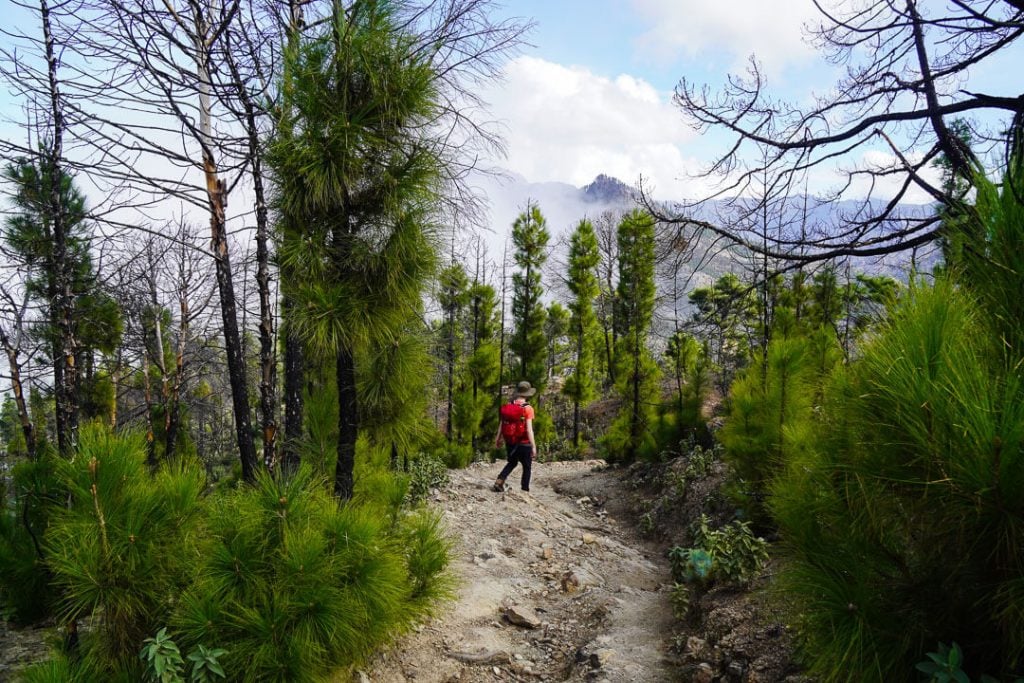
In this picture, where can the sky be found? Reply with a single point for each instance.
(593, 92)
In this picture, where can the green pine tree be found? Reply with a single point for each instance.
(355, 196)
(636, 371)
(530, 237)
(585, 287)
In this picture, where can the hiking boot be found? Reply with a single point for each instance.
(499, 486)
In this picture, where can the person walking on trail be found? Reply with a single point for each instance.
(516, 430)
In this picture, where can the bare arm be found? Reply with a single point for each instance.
(529, 434)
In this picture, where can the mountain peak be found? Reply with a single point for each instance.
(606, 189)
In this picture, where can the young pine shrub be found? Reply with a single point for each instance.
(294, 586)
(771, 398)
(122, 551)
(903, 519)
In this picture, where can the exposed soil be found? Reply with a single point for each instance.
(559, 585)
(552, 587)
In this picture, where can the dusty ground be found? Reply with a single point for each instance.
(590, 599)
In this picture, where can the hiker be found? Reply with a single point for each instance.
(516, 429)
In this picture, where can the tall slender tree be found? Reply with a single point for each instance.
(530, 237)
(636, 372)
(355, 182)
(585, 287)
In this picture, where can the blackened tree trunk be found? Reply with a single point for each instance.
(65, 372)
(14, 366)
(348, 423)
(294, 374)
(216, 192)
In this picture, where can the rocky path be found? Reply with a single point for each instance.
(551, 587)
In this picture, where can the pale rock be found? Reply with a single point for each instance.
(589, 538)
(601, 657)
(522, 616)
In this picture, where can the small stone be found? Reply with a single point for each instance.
(589, 538)
(361, 677)
(547, 553)
(735, 668)
(584, 499)
(496, 670)
(570, 582)
(522, 616)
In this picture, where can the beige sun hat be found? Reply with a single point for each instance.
(524, 389)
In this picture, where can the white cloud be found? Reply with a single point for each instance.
(568, 124)
(770, 29)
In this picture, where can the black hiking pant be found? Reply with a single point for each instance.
(518, 454)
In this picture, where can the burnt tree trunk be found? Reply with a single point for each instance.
(294, 376)
(348, 423)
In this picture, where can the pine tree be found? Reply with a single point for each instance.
(636, 373)
(530, 237)
(354, 195)
(453, 296)
(475, 411)
(584, 285)
(81, 318)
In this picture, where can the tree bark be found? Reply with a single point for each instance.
(217, 194)
(65, 349)
(294, 372)
(14, 365)
(348, 423)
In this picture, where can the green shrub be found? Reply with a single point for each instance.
(731, 554)
(25, 596)
(122, 550)
(428, 552)
(293, 585)
(903, 516)
(426, 472)
(680, 600)
(458, 456)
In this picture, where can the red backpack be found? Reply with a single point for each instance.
(513, 423)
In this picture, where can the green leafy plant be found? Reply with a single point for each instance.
(205, 665)
(426, 472)
(945, 666)
(646, 523)
(680, 600)
(732, 554)
(163, 659)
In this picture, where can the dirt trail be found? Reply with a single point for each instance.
(590, 599)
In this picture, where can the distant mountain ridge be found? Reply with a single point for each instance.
(564, 205)
(608, 190)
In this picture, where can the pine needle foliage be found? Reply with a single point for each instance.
(530, 236)
(901, 509)
(25, 596)
(898, 520)
(119, 552)
(294, 585)
(631, 435)
(358, 181)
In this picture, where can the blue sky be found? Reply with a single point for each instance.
(593, 93)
